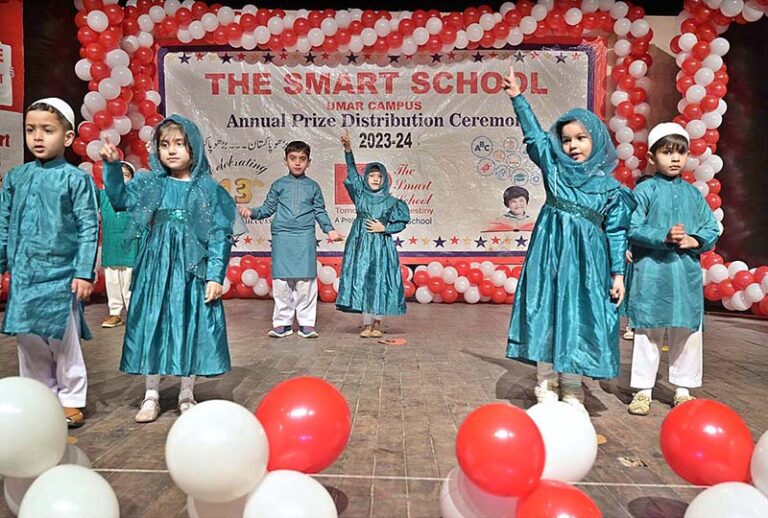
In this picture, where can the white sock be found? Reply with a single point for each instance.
(187, 388)
(681, 392)
(152, 387)
(645, 392)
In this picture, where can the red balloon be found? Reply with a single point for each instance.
(99, 285)
(117, 107)
(409, 288)
(6, 286)
(184, 17)
(86, 35)
(94, 51)
(263, 269)
(726, 288)
(307, 422)
(555, 499)
(436, 284)
(742, 279)
(712, 292)
(248, 262)
(500, 449)
(103, 119)
(327, 293)
(499, 295)
(243, 292)
(79, 146)
(289, 38)
(233, 273)
(761, 272)
(517, 271)
(154, 119)
(626, 109)
(693, 111)
(144, 55)
(712, 259)
(421, 278)
(404, 272)
(475, 276)
(449, 295)
(706, 442)
(486, 288)
(462, 267)
(88, 131)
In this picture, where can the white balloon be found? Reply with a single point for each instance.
(420, 36)
(759, 464)
(421, 267)
(434, 25)
(217, 451)
(718, 213)
(695, 93)
(528, 25)
(112, 134)
(735, 267)
(171, 6)
(704, 173)
(184, 36)
(196, 29)
(624, 150)
(717, 273)
(716, 163)
(722, 107)
(226, 15)
(713, 4)
(94, 101)
(632, 162)
(640, 28)
(86, 166)
(622, 48)
(461, 284)
(408, 47)
(618, 97)
(117, 58)
(156, 13)
(146, 39)
(616, 122)
(753, 293)
(498, 278)
(510, 285)
(130, 44)
(731, 7)
(303, 45)
(109, 88)
(472, 295)
(122, 76)
(461, 498)
(70, 491)
(449, 274)
(327, 275)
(202, 509)
(573, 16)
(83, 69)
(145, 23)
(146, 133)
(249, 277)
(621, 27)
(209, 22)
(154, 96)
(739, 301)
(290, 494)
(329, 26)
(704, 76)
(97, 21)
(486, 21)
(695, 128)
(262, 288)
(263, 35)
(752, 11)
(625, 135)
(638, 68)
(712, 62)
(688, 40)
(728, 499)
(590, 6)
(336, 283)
(515, 37)
(381, 27)
(275, 25)
(343, 18)
(137, 120)
(423, 295)
(487, 267)
(539, 12)
(619, 10)
(569, 440)
(712, 120)
(92, 149)
(226, 285)
(434, 268)
(719, 46)
(643, 109)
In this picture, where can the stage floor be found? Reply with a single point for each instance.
(406, 403)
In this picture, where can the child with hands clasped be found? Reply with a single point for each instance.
(49, 231)
(175, 324)
(297, 203)
(671, 228)
(565, 316)
(371, 282)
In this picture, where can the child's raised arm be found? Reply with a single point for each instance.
(114, 183)
(353, 183)
(535, 138)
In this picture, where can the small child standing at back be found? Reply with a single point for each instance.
(371, 282)
(297, 202)
(118, 253)
(670, 228)
(49, 229)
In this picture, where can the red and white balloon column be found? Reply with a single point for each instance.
(703, 82)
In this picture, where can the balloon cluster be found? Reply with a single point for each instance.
(473, 282)
(515, 463)
(247, 278)
(707, 443)
(734, 285)
(118, 53)
(42, 473)
(230, 462)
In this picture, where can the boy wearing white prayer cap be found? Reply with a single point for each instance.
(671, 227)
(48, 238)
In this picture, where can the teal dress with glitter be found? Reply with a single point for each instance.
(371, 281)
(563, 313)
(186, 230)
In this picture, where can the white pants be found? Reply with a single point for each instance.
(686, 359)
(58, 364)
(118, 280)
(294, 297)
(368, 318)
(569, 383)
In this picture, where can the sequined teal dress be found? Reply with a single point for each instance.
(188, 229)
(563, 313)
(371, 281)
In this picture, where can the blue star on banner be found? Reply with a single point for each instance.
(309, 57)
(477, 57)
(519, 57)
(226, 58)
(184, 58)
(480, 243)
(521, 241)
(351, 58)
(560, 58)
(436, 58)
(439, 242)
(398, 242)
(318, 242)
(268, 57)
(394, 59)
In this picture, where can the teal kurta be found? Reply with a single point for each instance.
(49, 231)
(189, 227)
(297, 203)
(666, 283)
(118, 246)
(563, 313)
(371, 281)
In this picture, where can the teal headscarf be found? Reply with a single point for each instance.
(599, 166)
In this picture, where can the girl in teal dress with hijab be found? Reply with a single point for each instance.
(565, 317)
(371, 282)
(175, 324)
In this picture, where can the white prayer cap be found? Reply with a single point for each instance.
(666, 129)
(61, 106)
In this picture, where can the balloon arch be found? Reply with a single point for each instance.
(119, 47)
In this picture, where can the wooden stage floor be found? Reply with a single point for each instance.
(407, 403)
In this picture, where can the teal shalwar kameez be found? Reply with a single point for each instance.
(49, 230)
(563, 313)
(666, 284)
(187, 232)
(371, 281)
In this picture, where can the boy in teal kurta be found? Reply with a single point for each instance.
(565, 316)
(670, 228)
(175, 324)
(297, 203)
(49, 231)
(118, 253)
(371, 282)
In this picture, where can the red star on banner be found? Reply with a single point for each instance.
(451, 55)
(247, 240)
(283, 55)
(495, 240)
(326, 56)
(367, 56)
(413, 240)
(241, 57)
(493, 54)
(454, 240)
(329, 240)
(199, 56)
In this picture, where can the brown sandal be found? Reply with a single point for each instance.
(74, 416)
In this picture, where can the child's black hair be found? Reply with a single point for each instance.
(297, 146)
(170, 124)
(513, 192)
(674, 143)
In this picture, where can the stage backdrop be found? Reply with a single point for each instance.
(11, 86)
(439, 123)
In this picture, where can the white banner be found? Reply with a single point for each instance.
(439, 123)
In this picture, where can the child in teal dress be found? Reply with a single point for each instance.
(371, 282)
(565, 316)
(175, 324)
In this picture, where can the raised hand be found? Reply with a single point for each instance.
(510, 83)
(346, 141)
(108, 151)
(244, 211)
